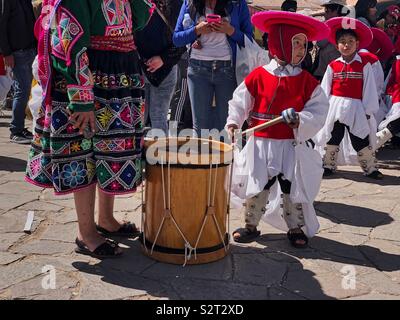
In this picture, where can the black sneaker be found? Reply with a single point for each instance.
(27, 134)
(19, 138)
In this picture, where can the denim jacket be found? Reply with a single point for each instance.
(239, 19)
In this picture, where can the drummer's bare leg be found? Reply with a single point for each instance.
(106, 218)
(84, 204)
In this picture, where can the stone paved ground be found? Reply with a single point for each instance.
(360, 232)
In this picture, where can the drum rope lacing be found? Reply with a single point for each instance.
(143, 209)
(167, 214)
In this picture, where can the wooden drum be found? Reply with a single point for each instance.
(185, 215)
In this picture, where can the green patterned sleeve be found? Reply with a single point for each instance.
(141, 13)
(69, 39)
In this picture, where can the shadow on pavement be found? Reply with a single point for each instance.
(12, 164)
(331, 250)
(245, 274)
(359, 177)
(352, 215)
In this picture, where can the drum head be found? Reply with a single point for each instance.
(187, 151)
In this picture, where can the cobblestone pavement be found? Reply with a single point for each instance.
(356, 254)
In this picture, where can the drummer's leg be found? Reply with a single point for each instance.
(255, 208)
(292, 214)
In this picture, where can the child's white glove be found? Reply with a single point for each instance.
(290, 117)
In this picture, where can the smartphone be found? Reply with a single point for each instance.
(213, 18)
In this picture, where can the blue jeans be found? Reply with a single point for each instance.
(22, 72)
(206, 80)
(158, 100)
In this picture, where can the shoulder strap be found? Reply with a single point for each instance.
(164, 19)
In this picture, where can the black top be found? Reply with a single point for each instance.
(156, 40)
(17, 21)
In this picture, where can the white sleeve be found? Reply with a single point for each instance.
(379, 77)
(326, 83)
(313, 116)
(240, 106)
(370, 97)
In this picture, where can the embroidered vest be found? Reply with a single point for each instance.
(347, 80)
(274, 94)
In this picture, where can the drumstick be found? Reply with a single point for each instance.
(263, 126)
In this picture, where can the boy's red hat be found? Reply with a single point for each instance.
(364, 33)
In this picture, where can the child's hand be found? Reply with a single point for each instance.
(291, 118)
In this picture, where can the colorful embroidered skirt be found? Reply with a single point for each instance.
(63, 159)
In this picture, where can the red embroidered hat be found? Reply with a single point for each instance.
(282, 27)
(381, 44)
(314, 29)
(363, 32)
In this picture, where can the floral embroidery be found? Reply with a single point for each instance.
(65, 35)
(35, 166)
(118, 81)
(75, 147)
(73, 174)
(86, 144)
(105, 118)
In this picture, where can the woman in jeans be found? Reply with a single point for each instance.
(211, 72)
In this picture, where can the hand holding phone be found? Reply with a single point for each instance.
(213, 18)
